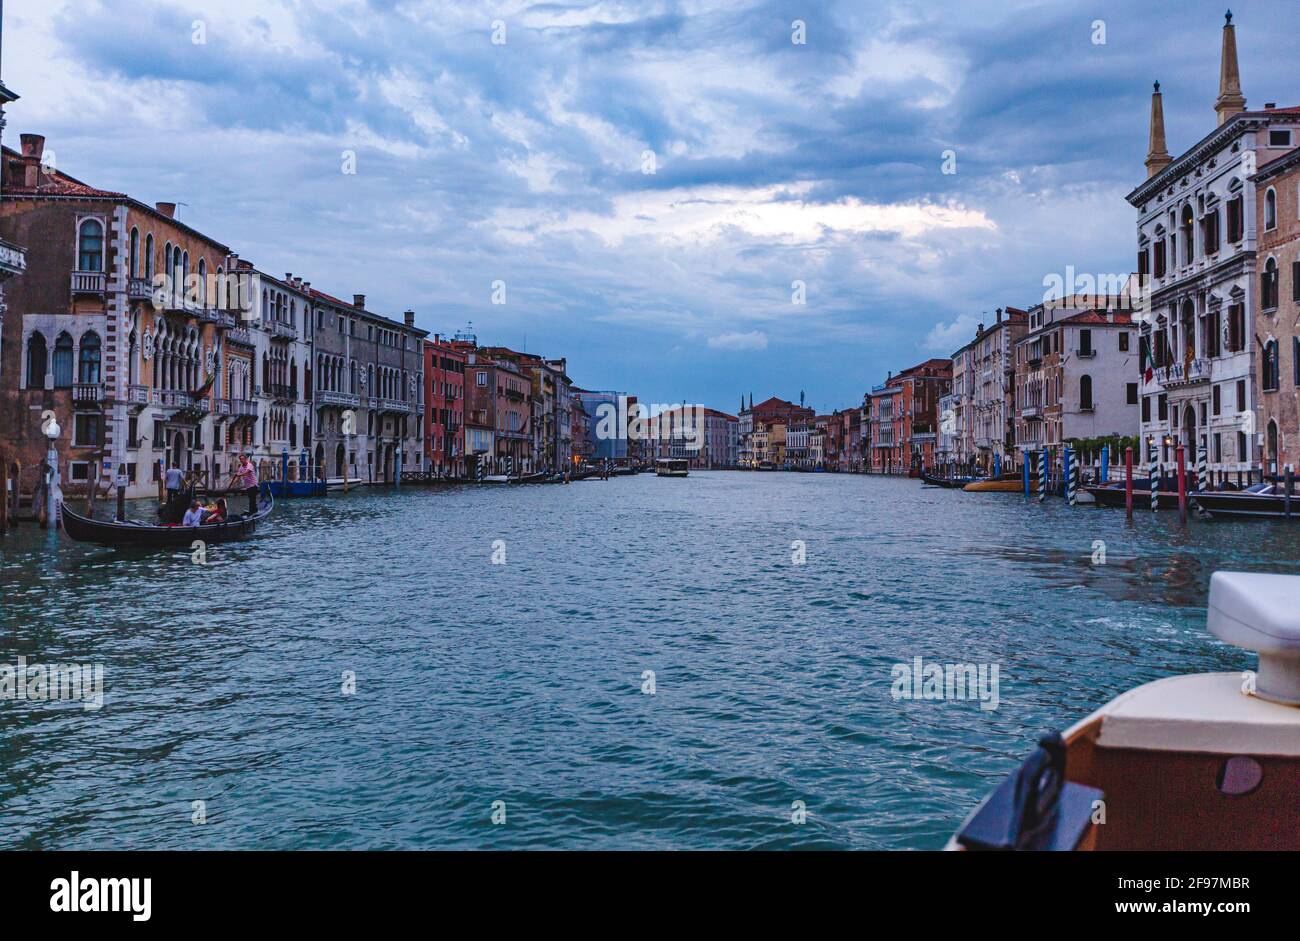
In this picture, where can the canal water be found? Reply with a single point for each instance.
(649, 663)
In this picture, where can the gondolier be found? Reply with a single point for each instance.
(245, 481)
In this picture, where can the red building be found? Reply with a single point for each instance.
(904, 417)
(444, 409)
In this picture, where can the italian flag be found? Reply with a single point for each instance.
(1149, 372)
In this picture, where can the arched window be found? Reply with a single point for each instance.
(1188, 228)
(1270, 371)
(1268, 285)
(203, 282)
(63, 361)
(90, 246)
(37, 361)
(88, 363)
(1085, 393)
(133, 262)
(148, 256)
(1270, 209)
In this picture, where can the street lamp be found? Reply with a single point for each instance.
(52, 432)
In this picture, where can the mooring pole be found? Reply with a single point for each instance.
(121, 493)
(1067, 468)
(1179, 459)
(1042, 475)
(1290, 478)
(1024, 468)
(1202, 470)
(1105, 463)
(1128, 484)
(4, 494)
(1155, 479)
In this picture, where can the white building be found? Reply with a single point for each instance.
(1196, 253)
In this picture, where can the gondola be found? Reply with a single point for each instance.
(145, 536)
(949, 483)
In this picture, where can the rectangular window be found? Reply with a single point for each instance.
(1215, 399)
(1241, 395)
(1132, 393)
(1295, 358)
(1162, 404)
(87, 430)
(79, 471)
(1218, 448)
(1212, 334)
(1235, 221)
(1241, 446)
(1211, 232)
(1279, 138)
(481, 379)
(1123, 341)
(1146, 408)
(1085, 342)
(1159, 261)
(1295, 280)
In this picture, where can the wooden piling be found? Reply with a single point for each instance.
(4, 494)
(1181, 471)
(1128, 484)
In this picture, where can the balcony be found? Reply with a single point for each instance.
(1031, 414)
(344, 399)
(1183, 374)
(395, 405)
(236, 408)
(87, 393)
(281, 393)
(283, 331)
(13, 260)
(139, 289)
(88, 282)
(241, 335)
(137, 394)
(180, 401)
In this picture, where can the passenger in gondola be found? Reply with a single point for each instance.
(194, 515)
(216, 515)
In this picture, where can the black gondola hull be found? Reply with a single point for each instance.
(132, 536)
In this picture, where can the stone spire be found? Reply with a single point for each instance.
(1157, 153)
(1230, 100)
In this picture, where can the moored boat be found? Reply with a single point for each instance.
(950, 483)
(1195, 762)
(1006, 485)
(146, 536)
(1261, 500)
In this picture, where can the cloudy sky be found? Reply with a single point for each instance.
(649, 179)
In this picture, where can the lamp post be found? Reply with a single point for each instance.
(52, 432)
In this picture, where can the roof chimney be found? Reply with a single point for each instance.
(167, 209)
(33, 145)
(1270, 105)
(999, 315)
(410, 318)
(1230, 100)
(979, 330)
(359, 301)
(33, 149)
(1157, 153)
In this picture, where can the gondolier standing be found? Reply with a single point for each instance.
(246, 478)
